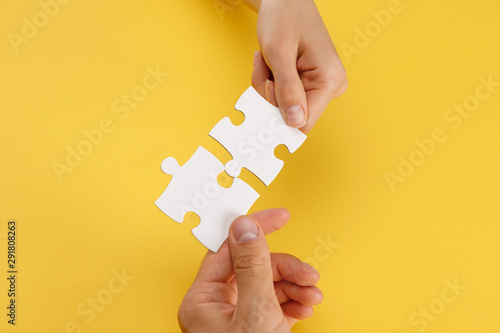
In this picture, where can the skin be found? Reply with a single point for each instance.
(297, 63)
(245, 288)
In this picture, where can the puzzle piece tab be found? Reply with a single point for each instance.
(216, 219)
(252, 143)
(194, 188)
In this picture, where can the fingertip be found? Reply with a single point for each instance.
(296, 116)
(282, 213)
(308, 296)
(312, 274)
(308, 312)
(267, 90)
(271, 93)
(319, 297)
(272, 219)
(255, 58)
(260, 73)
(310, 268)
(297, 310)
(245, 229)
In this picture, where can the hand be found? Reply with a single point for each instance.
(298, 68)
(245, 289)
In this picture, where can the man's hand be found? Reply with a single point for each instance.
(244, 288)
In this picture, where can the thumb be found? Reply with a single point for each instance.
(251, 262)
(290, 93)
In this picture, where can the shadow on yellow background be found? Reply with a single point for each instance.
(394, 196)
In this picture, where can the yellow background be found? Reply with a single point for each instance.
(394, 249)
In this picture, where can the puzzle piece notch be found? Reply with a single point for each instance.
(194, 188)
(252, 143)
(216, 220)
(183, 191)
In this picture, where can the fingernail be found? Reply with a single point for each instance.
(295, 116)
(255, 57)
(245, 230)
(267, 90)
(309, 267)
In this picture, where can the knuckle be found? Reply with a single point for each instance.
(184, 317)
(288, 82)
(336, 80)
(334, 75)
(343, 88)
(249, 264)
(276, 49)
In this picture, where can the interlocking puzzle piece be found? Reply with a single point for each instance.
(252, 143)
(194, 188)
(217, 218)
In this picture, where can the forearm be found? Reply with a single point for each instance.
(253, 4)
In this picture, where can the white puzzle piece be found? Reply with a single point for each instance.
(252, 143)
(194, 188)
(216, 219)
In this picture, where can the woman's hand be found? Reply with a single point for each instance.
(298, 68)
